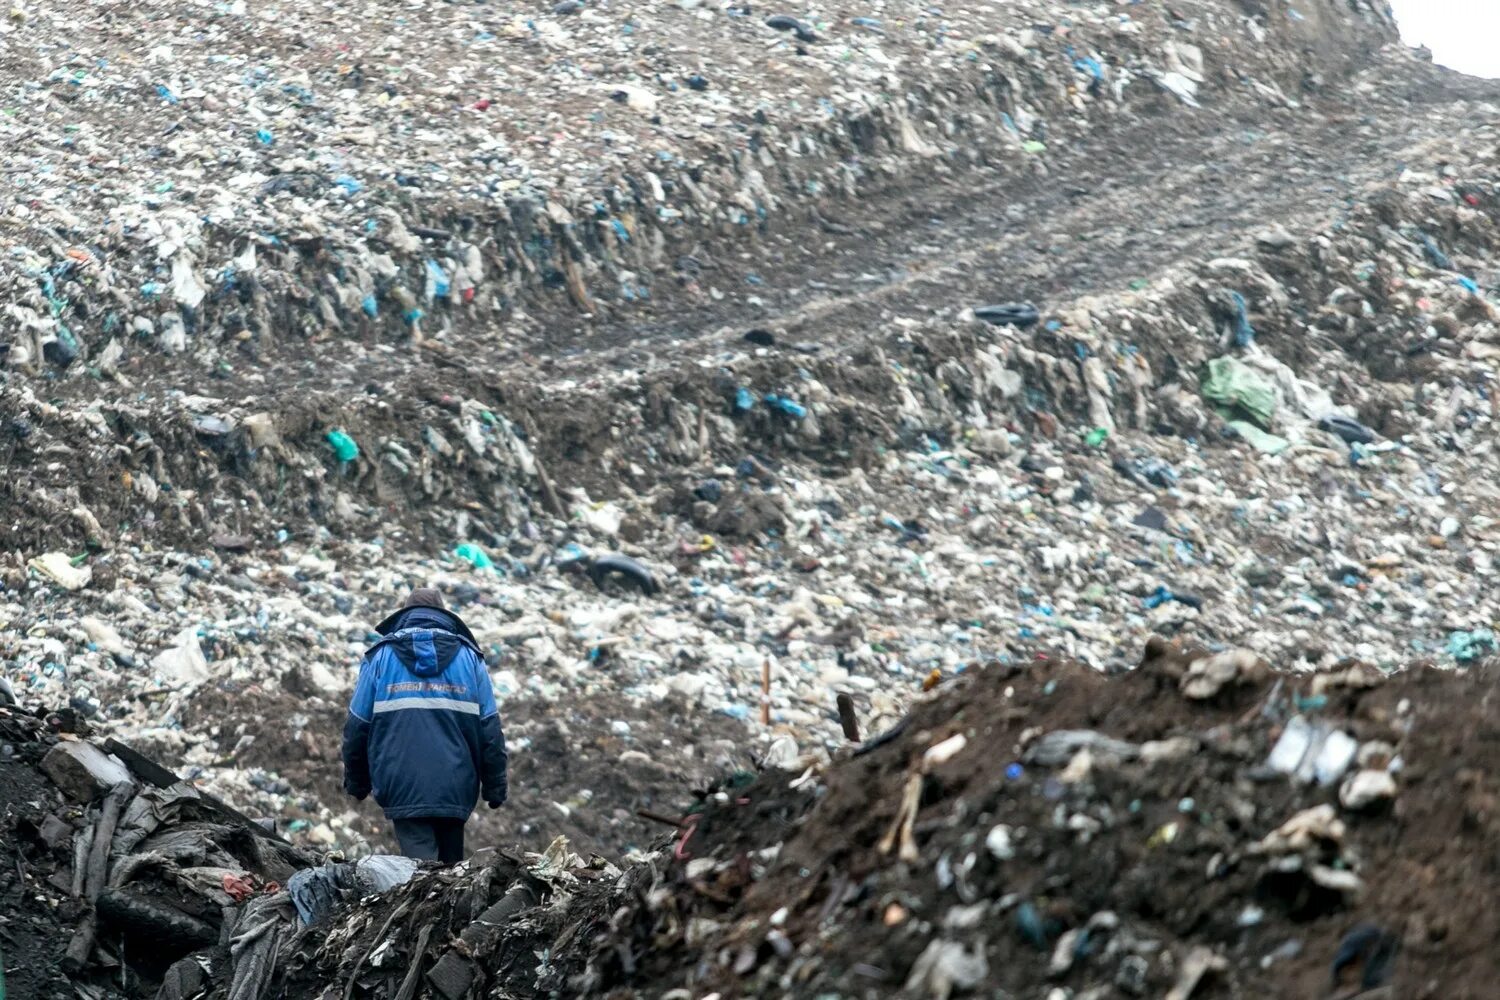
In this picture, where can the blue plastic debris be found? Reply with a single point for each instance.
(743, 400)
(370, 306)
(1465, 647)
(790, 407)
(438, 284)
(348, 183)
(1435, 253)
(1244, 333)
(265, 136)
(165, 93)
(1091, 66)
(1469, 283)
(1161, 595)
(1029, 925)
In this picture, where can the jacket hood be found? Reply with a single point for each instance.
(424, 652)
(427, 618)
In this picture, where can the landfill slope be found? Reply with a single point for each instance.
(219, 302)
(373, 299)
(251, 178)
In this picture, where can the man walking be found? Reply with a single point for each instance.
(423, 731)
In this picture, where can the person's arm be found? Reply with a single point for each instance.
(357, 733)
(493, 760)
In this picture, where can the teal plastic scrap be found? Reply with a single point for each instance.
(438, 282)
(1466, 647)
(1244, 333)
(474, 556)
(343, 446)
(786, 405)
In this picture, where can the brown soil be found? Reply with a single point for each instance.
(569, 773)
(857, 918)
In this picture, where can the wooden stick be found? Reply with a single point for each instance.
(908, 851)
(549, 494)
(675, 824)
(765, 692)
(846, 717)
(900, 831)
(82, 942)
(82, 841)
(374, 943)
(414, 974)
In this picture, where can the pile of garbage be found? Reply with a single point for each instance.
(304, 221)
(116, 867)
(913, 481)
(128, 882)
(269, 178)
(1204, 825)
(1275, 448)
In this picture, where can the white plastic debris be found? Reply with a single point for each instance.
(58, 567)
(183, 662)
(1312, 751)
(1366, 789)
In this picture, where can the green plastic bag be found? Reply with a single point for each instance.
(1233, 387)
(1096, 437)
(474, 556)
(1268, 443)
(343, 446)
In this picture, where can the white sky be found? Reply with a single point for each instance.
(1462, 34)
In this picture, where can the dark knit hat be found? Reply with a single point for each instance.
(425, 597)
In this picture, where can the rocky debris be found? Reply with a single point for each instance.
(83, 771)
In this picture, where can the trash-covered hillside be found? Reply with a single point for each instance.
(1013, 482)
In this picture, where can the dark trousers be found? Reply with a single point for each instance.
(434, 839)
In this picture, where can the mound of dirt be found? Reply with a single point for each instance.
(1203, 826)
(1050, 827)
